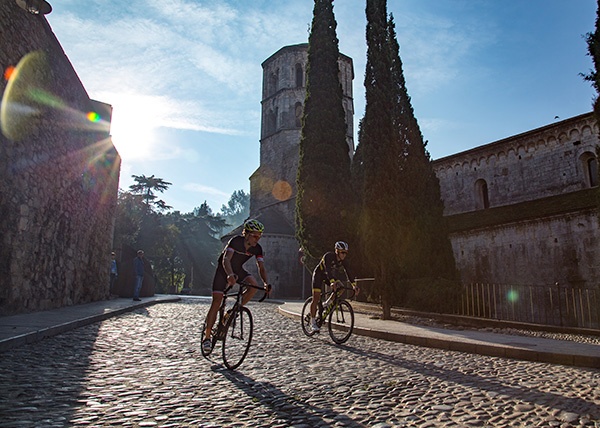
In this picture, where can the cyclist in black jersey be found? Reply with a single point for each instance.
(230, 268)
(332, 269)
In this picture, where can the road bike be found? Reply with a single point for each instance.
(335, 309)
(233, 326)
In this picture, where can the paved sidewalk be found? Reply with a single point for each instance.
(471, 341)
(27, 328)
(16, 330)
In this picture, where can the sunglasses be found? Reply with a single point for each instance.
(255, 235)
(342, 252)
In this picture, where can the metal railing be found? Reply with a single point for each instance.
(550, 305)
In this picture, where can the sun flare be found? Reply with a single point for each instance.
(134, 121)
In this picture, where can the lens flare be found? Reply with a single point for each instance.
(92, 116)
(282, 190)
(22, 109)
(8, 72)
(512, 296)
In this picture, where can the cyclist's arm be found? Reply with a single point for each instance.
(231, 277)
(326, 262)
(262, 271)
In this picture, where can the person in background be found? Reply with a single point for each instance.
(138, 271)
(113, 272)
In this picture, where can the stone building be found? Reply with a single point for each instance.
(59, 173)
(522, 210)
(273, 184)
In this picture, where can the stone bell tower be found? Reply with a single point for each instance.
(273, 184)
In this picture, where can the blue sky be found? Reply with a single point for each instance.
(184, 76)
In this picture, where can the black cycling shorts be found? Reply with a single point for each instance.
(220, 280)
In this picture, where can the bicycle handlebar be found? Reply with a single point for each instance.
(243, 285)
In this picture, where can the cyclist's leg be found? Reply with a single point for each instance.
(211, 317)
(250, 292)
(219, 284)
(316, 293)
(317, 285)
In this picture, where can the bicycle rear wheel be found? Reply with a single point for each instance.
(305, 318)
(237, 338)
(341, 322)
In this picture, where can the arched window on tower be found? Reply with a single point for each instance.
(273, 82)
(272, 121)
(589, 164)
(298, 114)
(299, 76)
(482, 199)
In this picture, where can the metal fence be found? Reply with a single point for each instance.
(550, 305)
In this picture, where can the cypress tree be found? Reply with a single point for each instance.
(324, 200)
(428, 261)
(401, 220)
(593, 42)
(377, 163)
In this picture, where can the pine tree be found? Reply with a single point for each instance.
(325, 198)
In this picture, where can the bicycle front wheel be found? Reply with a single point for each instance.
(237, 338)
(341, 322)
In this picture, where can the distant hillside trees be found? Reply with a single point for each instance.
(236, 211)
(324, 200)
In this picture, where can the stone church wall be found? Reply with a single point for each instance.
(59, 175)
(538, 223)
(561, 249)
(536, 164)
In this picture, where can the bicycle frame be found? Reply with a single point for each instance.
(337, 314)
(336, 297)
(234, 326)
(239, 294)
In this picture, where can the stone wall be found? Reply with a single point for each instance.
(59, 174)
(536, 164)
(538, 222)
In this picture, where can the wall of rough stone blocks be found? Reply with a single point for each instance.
(59, 174)
(563, 249)
(539, 163)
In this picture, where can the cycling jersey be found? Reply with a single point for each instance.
(240, 256)
(330, 268)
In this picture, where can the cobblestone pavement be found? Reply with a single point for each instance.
(145, 369)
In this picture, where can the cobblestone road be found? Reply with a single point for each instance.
(145, 369)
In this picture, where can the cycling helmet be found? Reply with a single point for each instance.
(341, 245)
(254, 226)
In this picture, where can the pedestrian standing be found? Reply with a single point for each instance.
(138, 271)
(113, 272)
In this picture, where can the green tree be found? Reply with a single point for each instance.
(198, 247)
(377, 163)
(593, 42)
(147, 188)
(401, 203)
(237, 209)
(324, 200)
(427, 258)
